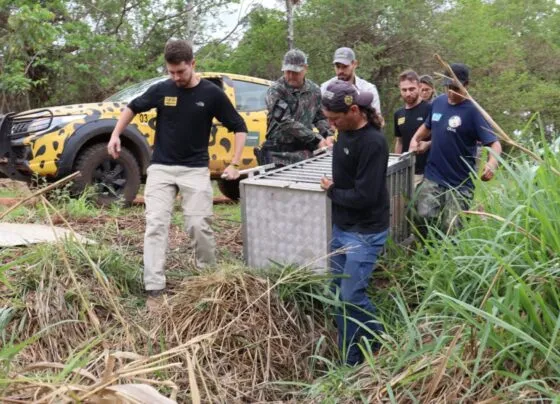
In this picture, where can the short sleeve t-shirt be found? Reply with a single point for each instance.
(184, 120)
(407, 121)
(456, 129)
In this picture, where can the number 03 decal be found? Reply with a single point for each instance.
(144, 118)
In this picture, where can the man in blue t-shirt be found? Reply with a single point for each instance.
(455, 126)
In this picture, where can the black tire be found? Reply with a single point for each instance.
(229, 189)
(113, 179)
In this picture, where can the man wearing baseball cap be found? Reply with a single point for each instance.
(455, 126)
(360, 210)
(345, 64)
(294, 108)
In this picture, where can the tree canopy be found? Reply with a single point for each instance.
(56, 51)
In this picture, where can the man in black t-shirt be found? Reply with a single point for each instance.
(409, 118)
(360, 209)
(186, 106)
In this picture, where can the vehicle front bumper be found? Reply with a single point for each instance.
(14, 160)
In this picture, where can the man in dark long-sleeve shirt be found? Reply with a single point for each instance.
(360, 208)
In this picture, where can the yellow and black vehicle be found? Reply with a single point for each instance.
(56, 141)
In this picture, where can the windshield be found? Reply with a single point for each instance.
(129, 93)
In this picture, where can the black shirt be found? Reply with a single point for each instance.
(184, 120)
(360, 201)
(407, 122)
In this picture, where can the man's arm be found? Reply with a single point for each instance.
(142, 103)
(398, 145)
(321, 122)
(232, 170)
(114, 145)
(398, 137)
(421, 134)
(492, 164)
(228, 115)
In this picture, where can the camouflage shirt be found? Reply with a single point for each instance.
(292, 114)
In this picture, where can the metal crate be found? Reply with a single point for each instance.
(286, 215)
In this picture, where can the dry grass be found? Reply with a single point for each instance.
(223, 336)
(256, 339)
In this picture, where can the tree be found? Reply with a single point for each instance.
(58, 52)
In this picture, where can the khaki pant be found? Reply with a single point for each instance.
(162, 185)
(418, 178)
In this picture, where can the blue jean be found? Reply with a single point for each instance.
(353, 267)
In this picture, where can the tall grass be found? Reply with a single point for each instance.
(474, 315)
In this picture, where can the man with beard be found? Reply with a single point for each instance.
(345, 65)
(409, 118)
(186, 106)
(294, 108)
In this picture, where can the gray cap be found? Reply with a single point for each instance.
(340, 95)
(294, 61)
(344, 55)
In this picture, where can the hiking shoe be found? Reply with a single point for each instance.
(154, 300)
(155, 293)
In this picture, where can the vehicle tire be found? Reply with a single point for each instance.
(229, 189)
(113, 179)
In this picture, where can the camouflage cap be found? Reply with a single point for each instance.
(344, 56)
(340, 95)
(427, 79)
(294, 61)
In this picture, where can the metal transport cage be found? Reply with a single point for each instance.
(286, 215)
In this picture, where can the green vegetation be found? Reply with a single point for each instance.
(471, 316)
(474, 315)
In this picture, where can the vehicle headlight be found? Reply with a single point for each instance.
(47, 123)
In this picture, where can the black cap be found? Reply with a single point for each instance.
(340, 95)
(462, 73)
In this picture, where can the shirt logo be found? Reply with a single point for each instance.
(454, 121)
(436, 116)
(346, 151)
(420, 119)
(170, 101)
(200, 104)
(401, 120)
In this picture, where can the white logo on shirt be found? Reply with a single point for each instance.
(454, 121)
(200, 103)
(346, 151)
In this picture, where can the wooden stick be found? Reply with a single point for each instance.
(497, 129)
(41, 191)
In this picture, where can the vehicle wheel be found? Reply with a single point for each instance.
(112, 179)
(229, 189)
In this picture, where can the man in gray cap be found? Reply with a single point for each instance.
(345, 64)
(294, 108)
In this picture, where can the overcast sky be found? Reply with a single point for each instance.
(232, 14)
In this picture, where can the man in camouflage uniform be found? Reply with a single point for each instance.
(294, 108)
